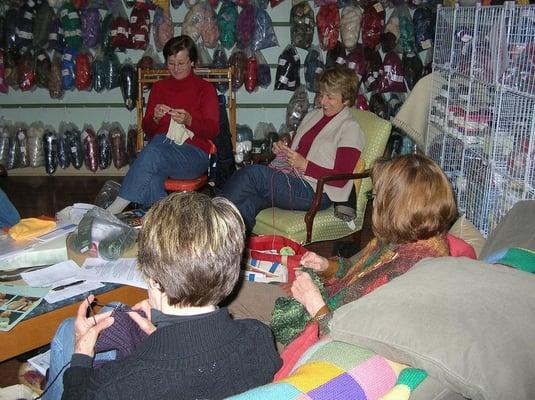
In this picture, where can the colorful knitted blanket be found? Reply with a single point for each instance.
(332, 370)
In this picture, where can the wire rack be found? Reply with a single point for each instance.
(481, 126)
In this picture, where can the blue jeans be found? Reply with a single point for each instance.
(9, 215)
(160, 159)
(257, 187)
(61, 351)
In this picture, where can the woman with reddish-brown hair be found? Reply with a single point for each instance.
(413, 208)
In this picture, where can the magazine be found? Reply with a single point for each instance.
(16, 302)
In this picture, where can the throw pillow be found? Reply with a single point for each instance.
(469, 324)
(460, 248)
(464, 229)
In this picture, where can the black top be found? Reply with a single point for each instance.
(206, 357)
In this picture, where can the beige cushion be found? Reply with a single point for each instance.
(464, 229)
(469, 324)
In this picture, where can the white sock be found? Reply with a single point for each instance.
(118, 205)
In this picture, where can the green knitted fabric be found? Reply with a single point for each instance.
(411, 377)
(290, 317)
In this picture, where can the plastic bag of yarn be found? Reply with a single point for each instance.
(120, 34)
(22, 147)
(226, 22)
(149, 59)
(176, 3)
(393, 79)
(347, 3)
(116, 7)
(297, 108)
(131, 145)
(394, 104)
(76, 150)
(320, 3)
(91, 151)
(191, 3)
(25, 71)
(113, 67)
(50, 148)
(375, 70)
(43, 18)
(55, 82)
(264, 35)
(139, 28)
(10, 67)
(100, 4)
(250, 80)
(128, 84)
(12, 155)
(288, 69)
(129, 3)
(424, 28)
(245, 26)
(413, 68)
(238, 60)
(209, 28)
(314, 66)
(56, 3)
(104, 147)
(335, 56)
(99, 73)
(204, 60)
(79, 4)
(42, 68)
(163, 28)
(357, 61)
(67, 68)
(191, 26)
(91, 24)
(328, 23)
(118, 145)
(350, 20)
(64, 154)
(83, 73)
(244, 143)
(373, 19)
(406, 28)
(152, 4)
(3, 85)
(36, 152)
(105, 32)
(24, 27)
(2, 29)
(4, 146)
(220, 61)
(56, 40)
(302, 24)
(263, 71)
(10, 28)
(361, 102)
(379, 106)
(72, 25)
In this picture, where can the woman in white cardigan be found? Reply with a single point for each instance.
(328, 141)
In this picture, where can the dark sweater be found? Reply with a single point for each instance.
(201, 358)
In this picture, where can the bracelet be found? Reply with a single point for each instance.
(322, 312)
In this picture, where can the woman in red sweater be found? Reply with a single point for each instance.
(184, 105)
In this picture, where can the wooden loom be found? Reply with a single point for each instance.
(147, 77)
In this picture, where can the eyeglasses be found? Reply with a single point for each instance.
(178, 64)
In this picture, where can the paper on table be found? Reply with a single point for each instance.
(123, 270)
(53, 275)
(54, 296)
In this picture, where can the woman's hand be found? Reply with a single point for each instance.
(86, 330)
(314, 261)
(279, 147)
(296, 160)
(144, 323)
(307, 293)
(181, 116)
(160, 110)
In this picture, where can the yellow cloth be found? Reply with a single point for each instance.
(178, 133)
(29, 228)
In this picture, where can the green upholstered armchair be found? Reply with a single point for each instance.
(320, 225)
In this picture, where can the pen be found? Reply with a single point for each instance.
(61, 287)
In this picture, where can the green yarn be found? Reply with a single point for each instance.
(290, 317)
(411, 377)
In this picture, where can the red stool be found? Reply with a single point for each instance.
(189, 185)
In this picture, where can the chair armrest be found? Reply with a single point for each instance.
(311, 213)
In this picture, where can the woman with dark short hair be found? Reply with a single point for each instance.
(190, 247)
(190, 102)
(328, 141)
(413, 209)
